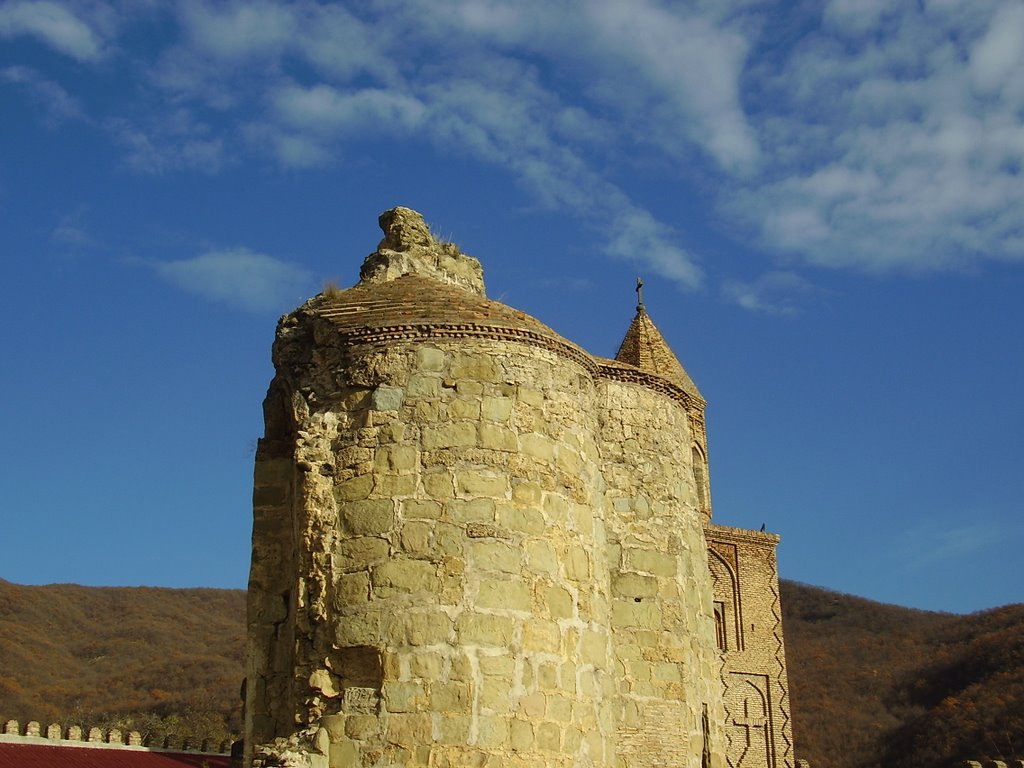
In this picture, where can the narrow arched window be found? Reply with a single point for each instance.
(720, 635)
(700, 478)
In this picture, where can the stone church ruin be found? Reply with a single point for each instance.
(476, 544)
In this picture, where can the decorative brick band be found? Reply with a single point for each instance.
(424, 332)
(741, 535)
(598, 367)
(780, 659)
(612, 369)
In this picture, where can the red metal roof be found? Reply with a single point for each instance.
(49, 756)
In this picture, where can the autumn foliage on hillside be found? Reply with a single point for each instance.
(155, 660)
(880, 685)
(871, 685)
(967, 696)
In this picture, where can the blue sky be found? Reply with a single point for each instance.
(825, 200)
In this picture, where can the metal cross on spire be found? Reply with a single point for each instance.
(639, 294)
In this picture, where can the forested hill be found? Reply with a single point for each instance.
(880, 685)
(87, 655)
(871, 684)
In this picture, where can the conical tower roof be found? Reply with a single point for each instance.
(645, 348)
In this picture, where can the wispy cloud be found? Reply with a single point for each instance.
(171, 142)
(884, 137)
(52, 24)
(70, 232)
(690, 67)
(56, 102)
(463, 97)
(934, 543)
(239, 31)
(635, 235)
(773, 293)
(897, 140)
(326, 110)
(291, 148)
(856, 17)
(239, 277)
(670, 76)
(997, 59)
(232, 51)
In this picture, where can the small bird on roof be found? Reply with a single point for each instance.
(762, 527)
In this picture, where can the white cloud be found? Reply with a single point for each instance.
(240, 278)
(58, 104)
(239, 30)
(503, 116)
(298, 80)
(934, 543)
(230, 49)
(899, 149)
(292, 149)
(689, 71)
(885, 136)
(185, 76)
(467, 95)
(322, 109)
(999, 56)
(635, 235)
(67, 234)
(341, 46)
(173, 142)
(855, 17)
(54, 25)
(511, 126)
(573, 124)
(70, 233)
(773, 293)
(670, 76)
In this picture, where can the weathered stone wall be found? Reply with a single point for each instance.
(474, 544)
(668, 703)
(479, 530)
(746, 587)
(274, 577)
(453, 605)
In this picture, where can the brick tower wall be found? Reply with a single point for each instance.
(756, 689)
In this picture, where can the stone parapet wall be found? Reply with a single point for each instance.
(113, 738)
